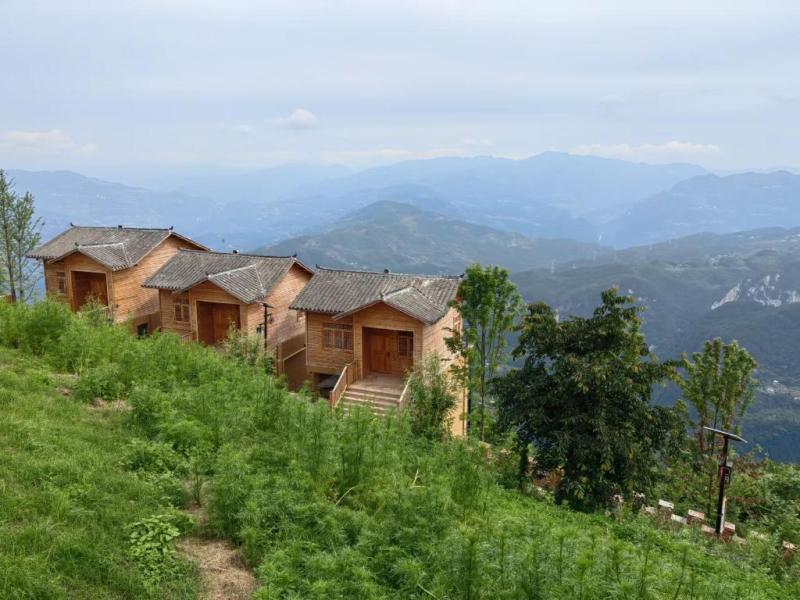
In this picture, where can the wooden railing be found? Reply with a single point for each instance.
(405, 395)
(350, 373)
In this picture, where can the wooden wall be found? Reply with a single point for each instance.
(381, 316)
(285, 323)
(126, 296)
(133, 301)
(75, 262)
(319, 359)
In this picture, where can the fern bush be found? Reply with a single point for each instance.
(328, 505)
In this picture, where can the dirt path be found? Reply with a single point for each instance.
(226, 576)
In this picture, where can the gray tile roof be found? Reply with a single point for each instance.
(248, 277)
(115, 247)
(341, 293)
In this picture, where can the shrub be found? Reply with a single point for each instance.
(153, 457)
(433, 398)
(103, 381)
(42, 325)
(150, 545)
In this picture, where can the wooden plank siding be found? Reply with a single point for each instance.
(285, 325)
(126, 296)
(319, 359)
(427, 339)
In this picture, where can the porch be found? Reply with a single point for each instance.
(382, 392)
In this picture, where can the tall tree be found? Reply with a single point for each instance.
(20, 232)
(488, 303)
(720, 385)
(582, 397)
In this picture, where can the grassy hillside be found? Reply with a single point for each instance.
(406, 239)
(65, 501)
(324, 505)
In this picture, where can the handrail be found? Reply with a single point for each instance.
(339, 388)
(403, 396)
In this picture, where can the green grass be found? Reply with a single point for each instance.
(64, 499)
(324, 505)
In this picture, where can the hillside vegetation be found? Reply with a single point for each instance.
(324, 505)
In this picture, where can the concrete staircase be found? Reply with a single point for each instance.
(381, 395)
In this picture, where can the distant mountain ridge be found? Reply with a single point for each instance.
(404, 238)
(710, 203)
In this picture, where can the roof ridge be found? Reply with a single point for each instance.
(251, 266)
(77, 245)
(416, 275)
(117, 227)
(217, 252)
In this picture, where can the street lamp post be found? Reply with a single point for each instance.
(725, 472)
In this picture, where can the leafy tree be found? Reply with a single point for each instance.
(582, 397)
(488, 304)
(433, 398)
(20, 232)
(719, 384)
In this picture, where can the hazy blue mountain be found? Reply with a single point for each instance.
(64, 197)
(581, 185)
(259, 186)
(404, 238)
(743, 286)
(710, 204)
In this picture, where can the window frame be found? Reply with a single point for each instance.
(181, 312)
(61, 282)
(337, 336)
(405, 344)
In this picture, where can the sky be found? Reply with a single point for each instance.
(96, 86)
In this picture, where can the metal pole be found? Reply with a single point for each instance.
(725, 469)
(266, 326)
(723, 480)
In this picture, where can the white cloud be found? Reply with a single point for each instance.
(668, 151)
(300, 118)
(50, 142)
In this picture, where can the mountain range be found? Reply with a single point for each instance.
(407, 239)
(682, 241)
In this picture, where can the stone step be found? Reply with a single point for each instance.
(377, 410)
(373, 393)
(362, 399)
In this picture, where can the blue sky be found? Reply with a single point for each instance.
(93, 85)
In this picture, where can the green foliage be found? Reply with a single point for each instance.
(433, 398)
(583, 398)
(488, 304)
(325, 505)
(720, 386)
(64, 500)
(20, 233)
(151, 548)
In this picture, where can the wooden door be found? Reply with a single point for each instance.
(86, 285)
(225, 315)
(213, 321)
(379, 352)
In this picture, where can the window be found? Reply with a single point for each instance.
(61, 282)
(405, 344)
(337, 335)
(181, 310)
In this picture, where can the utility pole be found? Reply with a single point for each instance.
(267, 321)
(725, 472)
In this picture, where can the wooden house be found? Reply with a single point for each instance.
(202, 294)
(365, 331)
(109, 264)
